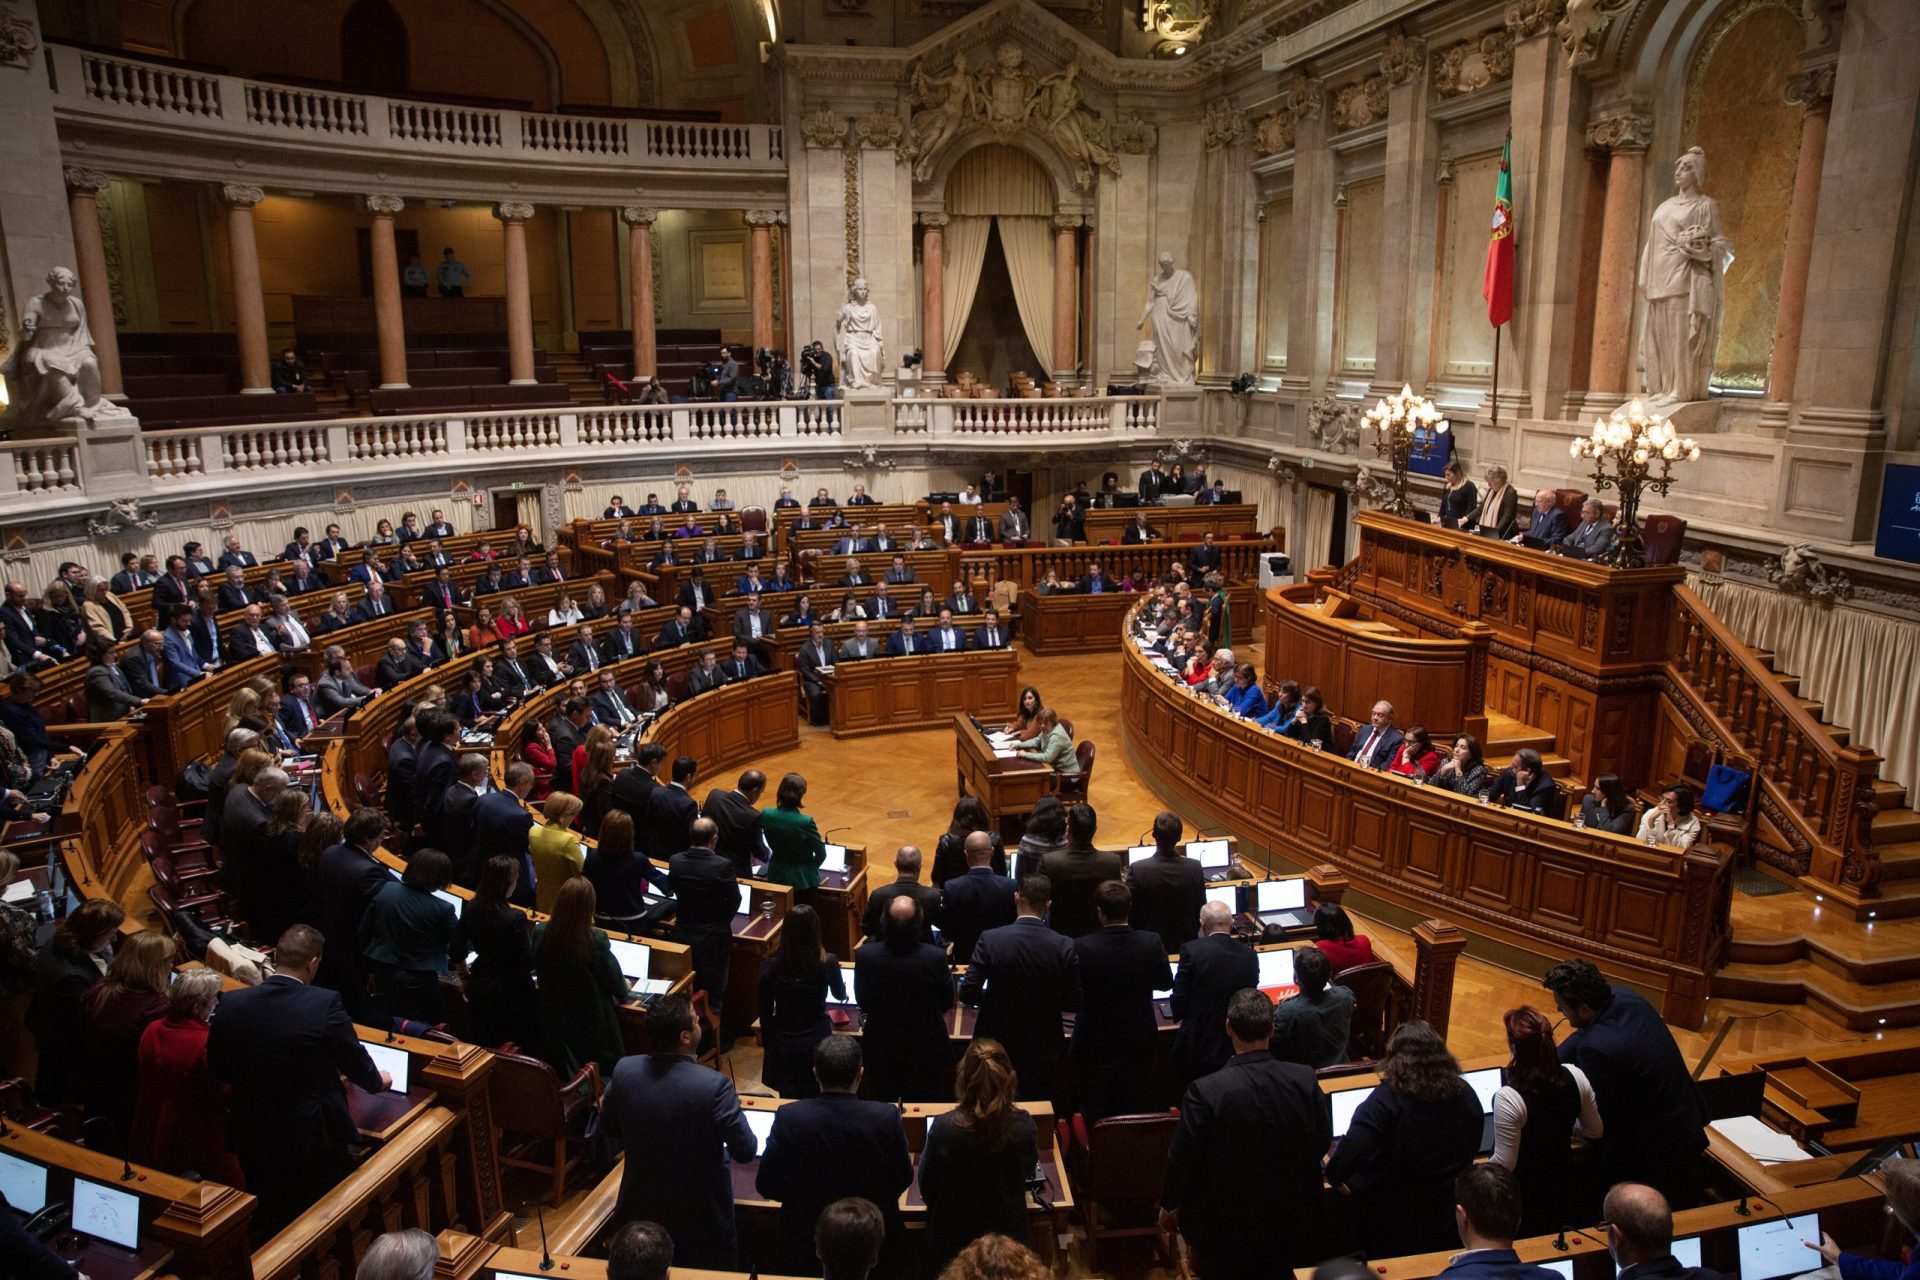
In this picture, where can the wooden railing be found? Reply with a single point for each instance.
(1822, 788)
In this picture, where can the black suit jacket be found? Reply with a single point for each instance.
(823, 1149)
(905, 990)
(618, 645)
(500, 826)
(456, 831)
(740, 829)
(1038, 980)
(872, 919)
(434, 770)
(1212, 968)
(631, 789)
(1251, 1136)
(344, 882)
(971, 904)
(1640, 1084)
(702, 883)
(1120, 969)
(563, 735)
(282, 1047)
(670, 814)
(1076, 873)
(1168, 893)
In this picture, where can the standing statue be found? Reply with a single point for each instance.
(1683, 274)
(1173, 307)
(52, 373)
(857, 334)
(946, 104)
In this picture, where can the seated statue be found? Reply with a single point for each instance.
(52, 373)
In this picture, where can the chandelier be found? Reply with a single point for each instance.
(1406, 426)
(1633, 441)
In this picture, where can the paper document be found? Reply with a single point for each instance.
(1760, 1140)
(18, 891)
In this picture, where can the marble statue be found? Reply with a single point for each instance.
(946, 104)
(1072, 126)
(1683, 275)
(1173, 309)
(1008, 98)
(863, 351)
(52, 373)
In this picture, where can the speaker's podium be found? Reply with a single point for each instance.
(1007, 784)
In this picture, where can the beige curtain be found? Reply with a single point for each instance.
(1864, 666)
(964, 250)
(999, 179)
(1316, 533)
(1028, 244)
(530, 510)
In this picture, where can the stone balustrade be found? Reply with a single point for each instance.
(1069, 416)
(95, 87)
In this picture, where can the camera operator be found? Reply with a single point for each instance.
(727, 378)
(1070, 522)
(816, 367)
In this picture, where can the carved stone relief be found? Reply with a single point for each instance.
(1472, 65)
(1360, 103)
(1225, 124)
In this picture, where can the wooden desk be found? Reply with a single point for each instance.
(1008, 787)
(883, 695)
(1073, 623)
(378, 1116)
(1104, 523)
(109, 1262)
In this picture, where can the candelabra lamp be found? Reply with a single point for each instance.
(1633, 442)
(1405, 426)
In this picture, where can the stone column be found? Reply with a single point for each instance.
(1310, 268)
(760, 224)
(933, 295)
(1066, 237)
(388, 320)
(1624, 138)
(90, 264)
(1411, 144)
(1813, 90)
(639, 222)
(249, 304)
(513, 217)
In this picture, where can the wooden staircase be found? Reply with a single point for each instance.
(582, 387)
(1505, 735)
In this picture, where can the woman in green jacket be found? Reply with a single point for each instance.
(1051, 744)
(793, 840)
(581, 986)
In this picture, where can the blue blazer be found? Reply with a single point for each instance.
(1549, 526)
(897, 645)
(1364, 746)
(1493, 1264)
(183, 664)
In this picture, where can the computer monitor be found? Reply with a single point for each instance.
(1211, 854)
(1173, 966)
(1560, 1266)
(1227, 895)
(453, 900)
(24, 1184)
(1276, 968)
(1686, 1251)
(397, 1063)
(1139, 853)
(105, 1213)
(1345, 1103)
(836, 859)
(746, 901)
(632, 957)
(1778, 1248)
(1484, 1083)
(1280, 895)
(761, 1122)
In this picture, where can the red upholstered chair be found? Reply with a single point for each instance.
(1073, 786)
(1117, 1175)
(1662, 535)
(753, 520)
(530, 1102)
(1570, 501)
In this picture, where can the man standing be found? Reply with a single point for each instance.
(281, 1047)
(813, 660)
(703, 884)
(502, 826)
(737, 815)
(666, 1102)
(905, 990)
(977, 901)
(1120, 969)
(413, 279)
(1153, 483)
(1212, 967)
(1169, 888)
(1251, 1138)
(1039, 979)
(1014, 526)
(452, 275)
(633, 787)
(906, 882)
(826, 1148)
(1486, 1213)
(344, 882)
(1076, 871)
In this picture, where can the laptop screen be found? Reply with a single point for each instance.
(1562, 1266)
(1770, 1250)
(836, 859)
(395, 1062)
(106, 1214)
(632, 957)
(1211, 854)
(1280, 895)
(1276, 967)
(761, 1122)
(1484, 1083)
(746, 901)
(24, 1184)
(1174, 966)
(453, 900)
(1345, 1103)
(1227, 896)
(1139, 853)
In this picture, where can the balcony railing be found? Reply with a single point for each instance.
(98, 86)
(1066, 417)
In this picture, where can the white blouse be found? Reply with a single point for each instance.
(1510, 1117)
(1657, 829)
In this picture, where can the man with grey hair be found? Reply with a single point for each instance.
(400, 1255)
(1592, 537)
(1548, 525)
(1374, 746)
(1219, 674)
(1212, 967)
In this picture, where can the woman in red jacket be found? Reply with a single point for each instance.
(179, 1114)
(1334, 935)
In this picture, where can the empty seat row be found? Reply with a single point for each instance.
(455, 399)
(163, 413)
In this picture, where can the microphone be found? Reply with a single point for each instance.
(1560, 1241)
(836, 830)
(546, 1255)
(126, 1170)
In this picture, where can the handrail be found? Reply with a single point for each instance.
(1824, 788)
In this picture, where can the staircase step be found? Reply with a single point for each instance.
(1861, 1006)
(1898, 860)
(1781, 928)
(1790, 683)
(1895, 826)
(1888, 794)
(1812, 706)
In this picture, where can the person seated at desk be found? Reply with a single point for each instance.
(1487, 1217)
(1312, 1027)
(1548, 524)
(1374, 746)
(1243, 696)
(1286, 701)
(854, 575)
(1310, 723)
(944, 636)
(696, 592)
(904, 643)
(1140, 532)
(1525, 785)
(900, 573)
(1415, 756)
(707, 675)
(1095, 580)
(849, 544)
(882, 605)
(749, 583)
(1334, 936)
(1672, 822)
(859, 645)
(1592, 537)
(1051, 744)
(990, 634)
(1640, 1233)
(1463, 771)
(1608, 807)
(683, 628)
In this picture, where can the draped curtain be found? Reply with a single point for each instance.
(1863, 666)
(1316, 534)
(1028, 244)
(964, 250)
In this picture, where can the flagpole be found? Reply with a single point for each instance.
(1493, 404)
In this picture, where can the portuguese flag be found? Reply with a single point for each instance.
(1497, 286)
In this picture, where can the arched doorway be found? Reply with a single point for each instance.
(999, 265)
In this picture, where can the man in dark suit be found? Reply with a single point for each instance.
(903, 643)
(502, 824)
(826, 1148)
(737, 814)
(633, 786)
(671, 811)
(173, 588)
(1140, 532)
(1168, 887)
(702, 882)
(344, 881)
(1374, 745)
(584, 654)
(1205, 558)
(567, 731)
(905, 990)
(1640, 1235)
(395, 665)
(906, 882)
(402, 754)
(1212, 967)
(1076, 871)
(434, 765)
(249, 638)
(610, 705)
(297, 711)
(990, 634)
(706, 675)
(945, 637)
(1120, 969)
(683, 628)
(695, 593)
(1548, 524)
(665, 1101)
(514, 675)
(457, 829)
(374, 605)
(1039, 979)
(1486, 1213)
(977, 901)
(814, 656)
(281, 1047)
(742, 665)
(621, 641)
(233, 593)
(1655, 1129)
(144, 671)
(1153, 483)
(1095, 580)
(1251, 1137)
(977, 528)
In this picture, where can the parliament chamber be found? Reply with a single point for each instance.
(617, 663)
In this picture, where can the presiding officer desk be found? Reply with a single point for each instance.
(884, 695)
(1655, 918)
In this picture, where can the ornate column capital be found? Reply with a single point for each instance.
(241, 196)
(1066, 221)
(1529, 18)
(384, 206)
(766, 217)
(91, 181)
(1812, 88)
(638, 215)
(880, 130)
(513, 211)
(1626, 131)
(822, 129)
(933, 220)
(1226, 124)
(1403, 57)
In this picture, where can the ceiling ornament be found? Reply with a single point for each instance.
(1176, 25)
(1009, 99)
(1473, 64)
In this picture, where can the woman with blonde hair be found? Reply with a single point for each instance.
(106, 615)
(555, 847)
(596, 605)
(179, 1113)
(243, 708)
(118, 1011)
(512, 621)
(978, 1157)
